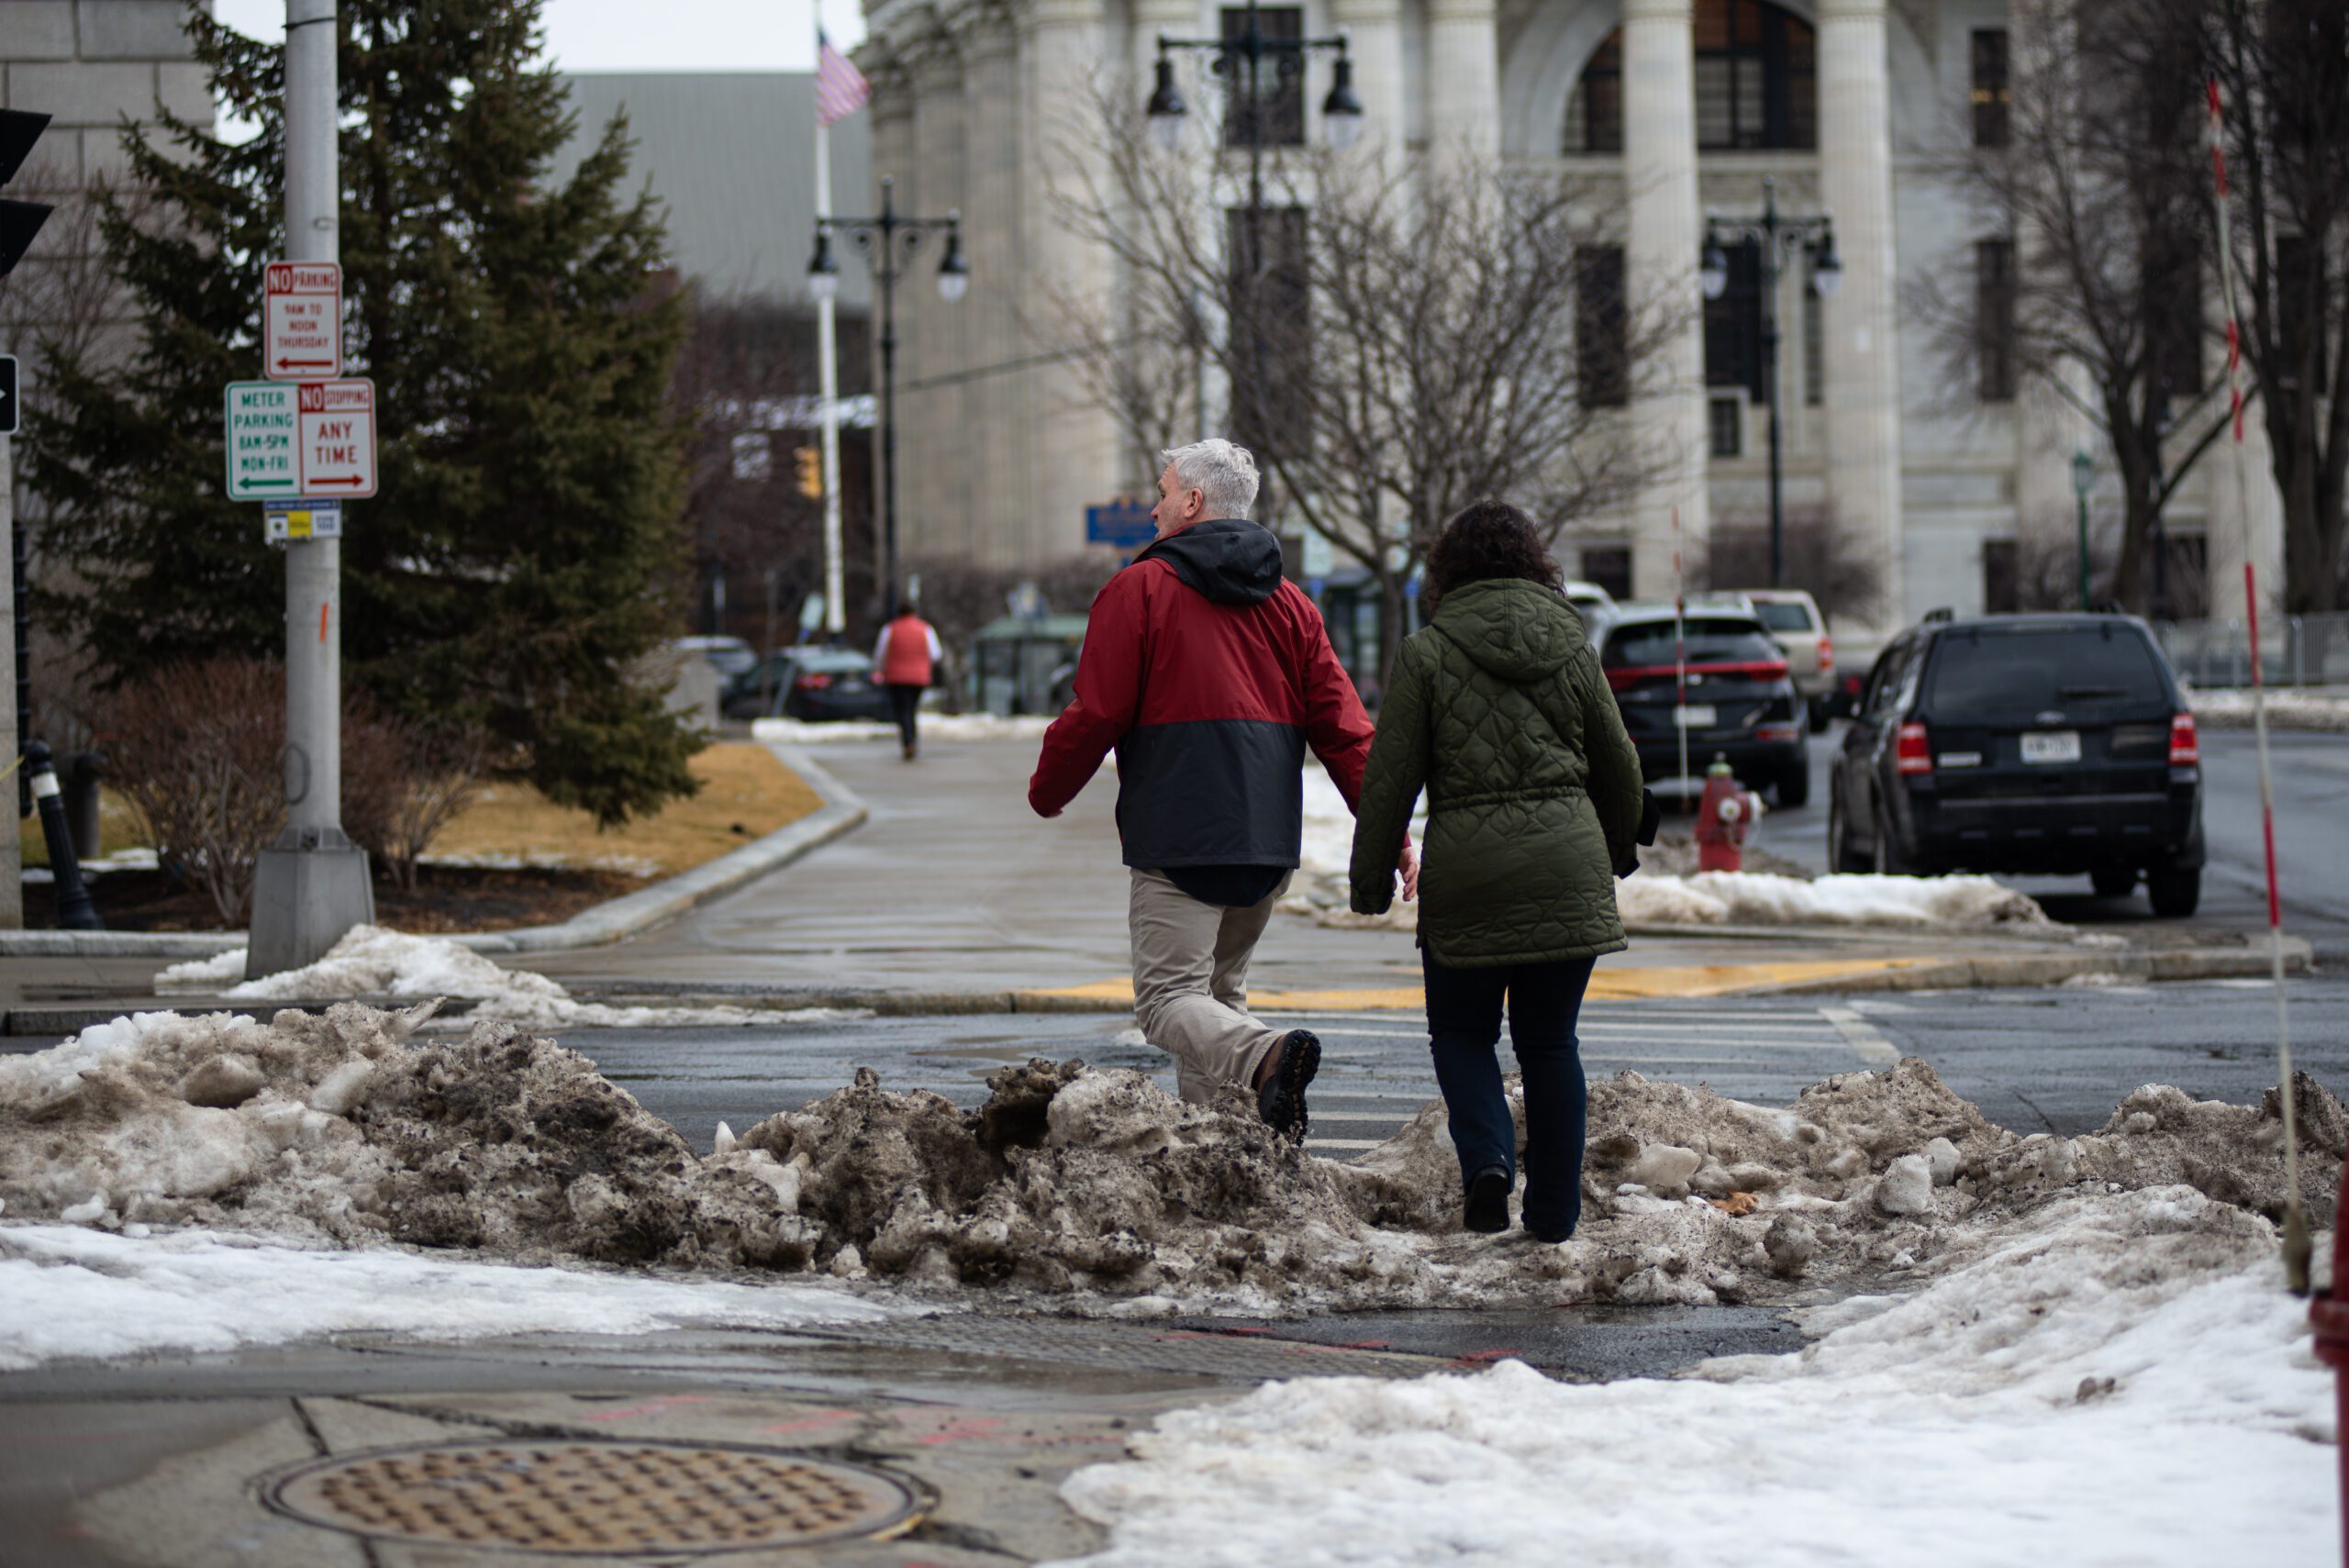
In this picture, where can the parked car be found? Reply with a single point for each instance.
(731, 654)
(1740, 705)
(812, 683)
(2046, 744)
(1795, 624)
(1593, 603)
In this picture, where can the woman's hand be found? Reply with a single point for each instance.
(1408, 864)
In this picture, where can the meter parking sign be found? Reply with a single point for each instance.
(298, 440)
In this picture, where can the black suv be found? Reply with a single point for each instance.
(1740, 705)
(2043, 743)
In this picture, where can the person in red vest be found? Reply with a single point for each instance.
(905, 659)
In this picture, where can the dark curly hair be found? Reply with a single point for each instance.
(1488, 539)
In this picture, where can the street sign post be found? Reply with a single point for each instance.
(1124, 522)
(302, 321)
(292, 441)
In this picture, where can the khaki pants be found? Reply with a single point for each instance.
(1191, 983)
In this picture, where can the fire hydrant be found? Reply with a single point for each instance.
(1723, 818)
(2329, 1315)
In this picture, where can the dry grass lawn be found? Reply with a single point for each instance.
(745, 795)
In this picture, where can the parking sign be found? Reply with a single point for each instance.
(302, 321)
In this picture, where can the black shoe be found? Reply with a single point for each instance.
(1487, 1210)
(1281, 1101)
(1540, 1233)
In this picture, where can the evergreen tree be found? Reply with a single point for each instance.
(524, 545)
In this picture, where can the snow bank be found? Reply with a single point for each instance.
(2114, 1379)
(372, 961)
(1758, 898)
(1093, 1188)
(71, 1291)
(2289, 708)
(934, 727)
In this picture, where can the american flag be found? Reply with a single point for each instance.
(840, 88)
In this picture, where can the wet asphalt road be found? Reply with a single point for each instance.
(2052, 1060)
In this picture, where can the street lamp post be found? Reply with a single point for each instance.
(887, 241)
(1242, 58)
(2083, 480)
(1778, 237)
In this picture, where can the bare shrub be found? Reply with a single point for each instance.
(403, 782)
(960, 595)
(196, 747)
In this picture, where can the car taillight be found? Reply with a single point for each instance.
(2185, 745)
(1623, 680)
(1911, 752)
(1826, 654)
(815, 682)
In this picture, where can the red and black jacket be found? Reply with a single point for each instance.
(1210, 676)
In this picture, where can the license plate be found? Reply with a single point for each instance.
(1693, 717)
(2051, 745)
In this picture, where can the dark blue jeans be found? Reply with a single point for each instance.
(1464, 1028)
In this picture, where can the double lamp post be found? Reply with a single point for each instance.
(888, 241)
(1779, 239)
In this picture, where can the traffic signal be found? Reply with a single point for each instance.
(19, 221)
(811, 472)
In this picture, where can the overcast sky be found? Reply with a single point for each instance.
(650, 35)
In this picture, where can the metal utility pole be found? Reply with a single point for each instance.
(1778, 238)
(312, 884)
(12, 849)
(887, 240)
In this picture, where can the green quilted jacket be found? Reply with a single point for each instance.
(1498, 710)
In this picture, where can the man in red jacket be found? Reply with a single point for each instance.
(1210, 676)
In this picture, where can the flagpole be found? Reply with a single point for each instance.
(835, 622)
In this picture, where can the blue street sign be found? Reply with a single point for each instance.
(1124, 522)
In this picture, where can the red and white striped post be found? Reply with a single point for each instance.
(2297, 1247)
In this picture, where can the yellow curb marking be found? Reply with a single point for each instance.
(1623, 984)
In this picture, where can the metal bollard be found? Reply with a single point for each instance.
(80, 777)
(74, 910)
(2329, 1315)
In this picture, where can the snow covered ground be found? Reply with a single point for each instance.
(373, 961)
(934, 727)
(2097, 1385)
(1707, 898)
(67, 1291)
(2289, 708)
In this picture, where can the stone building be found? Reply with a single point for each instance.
(1954, 476)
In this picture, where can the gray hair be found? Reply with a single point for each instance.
(1223, 474)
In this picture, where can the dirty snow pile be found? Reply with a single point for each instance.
(2115, 1379)
(2315, 708)
(68, 1290)
(957, 727)
(1758, 898)
(1093, 1187)
(372, 961)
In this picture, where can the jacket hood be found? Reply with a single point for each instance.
(1517, 631)
(1228, 560)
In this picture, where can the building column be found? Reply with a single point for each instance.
(1071, 443)
(935, 516)
(1463, 78)
(1661, 248)
(1374, 30)
(994, 404)
(1863, 361)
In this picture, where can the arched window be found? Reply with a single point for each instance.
(1757, 83)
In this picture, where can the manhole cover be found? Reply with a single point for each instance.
(609, 1498)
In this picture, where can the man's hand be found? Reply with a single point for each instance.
(1408, 864)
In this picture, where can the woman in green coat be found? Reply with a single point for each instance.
(1498, 710)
